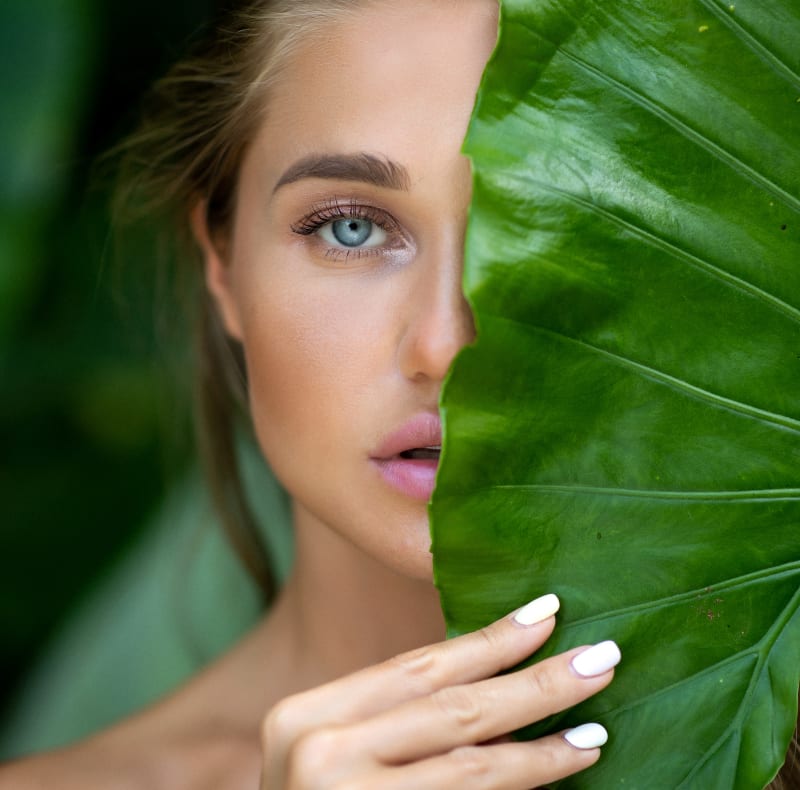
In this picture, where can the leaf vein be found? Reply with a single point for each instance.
(762, 654)
(788, 569)
(710, 269)
(699, 393)
(716, 150)
(673, 382)
(749, 40)
(770, 494)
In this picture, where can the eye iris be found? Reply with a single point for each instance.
(352, 232)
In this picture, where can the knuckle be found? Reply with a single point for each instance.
(550, 753)
(313, 756)
(559, 757)
(491, 637)
(472, 762)
(420, 667)
(460, 705)
(281, 722)
(543, 683)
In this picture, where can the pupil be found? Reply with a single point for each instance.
(352, 232)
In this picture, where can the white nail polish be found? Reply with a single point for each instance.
(587, 736)
(537, 610)
(597, 659)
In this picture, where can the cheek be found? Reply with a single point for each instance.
(312, 358)
(324, 386)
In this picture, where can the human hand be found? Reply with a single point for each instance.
(437, 717)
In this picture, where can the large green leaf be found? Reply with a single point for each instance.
(626, 430)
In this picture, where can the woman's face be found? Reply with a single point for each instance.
(342, 278)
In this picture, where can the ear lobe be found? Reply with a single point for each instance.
(218, 273)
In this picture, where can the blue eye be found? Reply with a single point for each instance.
(352, 232)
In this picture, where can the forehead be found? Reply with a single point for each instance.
(396, 78)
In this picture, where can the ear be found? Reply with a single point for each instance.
(218, 274)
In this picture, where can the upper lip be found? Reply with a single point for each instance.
(422, 430)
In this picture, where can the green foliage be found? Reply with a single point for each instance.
(626, 430)
(81, 399)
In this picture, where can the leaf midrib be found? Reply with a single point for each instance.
(762, 650)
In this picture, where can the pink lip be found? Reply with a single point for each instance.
(411, 476)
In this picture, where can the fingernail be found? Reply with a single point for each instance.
(587, 736)
(597, 659)
(537, 610)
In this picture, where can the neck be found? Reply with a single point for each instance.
(339, 611)
(349, 610)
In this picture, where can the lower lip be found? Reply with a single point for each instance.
(414, 477)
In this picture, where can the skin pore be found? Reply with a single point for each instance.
(341, 277)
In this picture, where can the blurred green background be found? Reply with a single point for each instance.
(83, 405)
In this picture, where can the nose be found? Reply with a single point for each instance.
(439, 320)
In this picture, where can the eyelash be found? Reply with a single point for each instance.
(335, 209)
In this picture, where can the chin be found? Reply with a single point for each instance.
(409, 556)
(416, 565)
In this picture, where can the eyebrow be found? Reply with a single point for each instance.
(363, 167)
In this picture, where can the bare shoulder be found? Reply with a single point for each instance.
(202, 737)
(131, 757)
(71, 768)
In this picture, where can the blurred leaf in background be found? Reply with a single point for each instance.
(82, 403)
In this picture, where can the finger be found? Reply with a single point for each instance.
(510, 766)
(464, 659)
(476, 713)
